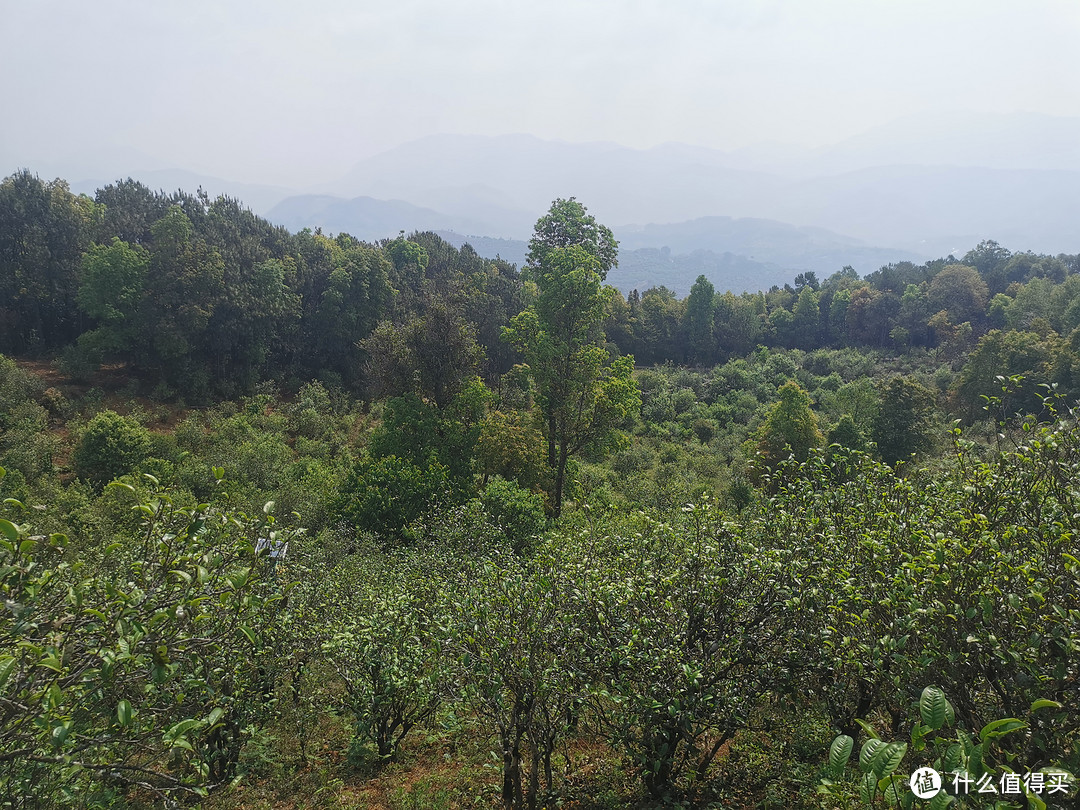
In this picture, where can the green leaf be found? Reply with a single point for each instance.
(1034, 802)
(1045, 704)
(214, 716)
(7, 665)
(248, 634)
(888, 759)
(184, 575)
(175, 734)
(869, 729)
(9, 530)
(240, 578)
(941, 801)
(999, 728)
(868, 752)
(933, 707)
(840, 752)
(59, 734)
(953, 755)
(893, 787)
(124, 713)
(868, 788)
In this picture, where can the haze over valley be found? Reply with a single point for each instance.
(746, 142)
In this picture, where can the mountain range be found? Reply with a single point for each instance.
(917, 188)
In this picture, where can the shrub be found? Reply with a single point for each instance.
(384, 495)
(111, 446)
(518, 512)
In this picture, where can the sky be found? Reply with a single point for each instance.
(295, 93)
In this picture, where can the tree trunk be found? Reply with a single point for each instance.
(560, 478)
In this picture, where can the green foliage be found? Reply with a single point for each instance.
(136, 666)
(434, 355)
(516, 511)
(110, 291)
(960, 291)
(790, 428)
(418, 431)
(384, 495)
(684, 632)
(110, 446)
(385, 640)
(44, 230)
(901, 426)
(583, 397)
(698, 321)
(511, 445)
(972, 768)
(567, 224)
(516, 651)
(846, 434)
(999, 356)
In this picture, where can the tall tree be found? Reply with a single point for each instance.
(698, 322)
(111, 292)
(583, 397)
(44, 229)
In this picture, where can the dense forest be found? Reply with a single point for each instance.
(291, 519)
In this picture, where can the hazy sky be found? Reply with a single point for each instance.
(290, 92)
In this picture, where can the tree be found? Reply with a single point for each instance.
(805, 320)
(698, 321)
(583, 397)
(736, 325)
(383, 496)
(185, 285)
(791, 428)
(960, 291)
(111, 291)
(902, 423)
(140, 671)
(346, 292)
(44, 229)
(434, 355)
(567, 224)
(111, 446)
(1002, 355)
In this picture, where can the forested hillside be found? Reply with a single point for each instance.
(292, 520)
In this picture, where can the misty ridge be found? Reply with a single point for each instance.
(917, 188)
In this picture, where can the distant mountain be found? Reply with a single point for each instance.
(519, 176)
(989, 140)
(869, 188)
(364, 217)
(256, 197)
(767, 242)
(651, 267)
(936, 210)
(642, 268)
(514, 251)
(734, 254)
